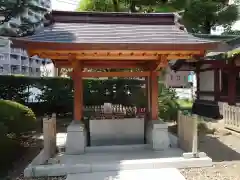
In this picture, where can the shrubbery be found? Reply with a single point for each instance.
(167, 103)
(16, 117)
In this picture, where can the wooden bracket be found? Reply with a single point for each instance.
(76, 65)
(163, 61)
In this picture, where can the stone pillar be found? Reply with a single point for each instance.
(49, 134)
(157, 135)
(148, 94)
(76, 138)
(55, 72)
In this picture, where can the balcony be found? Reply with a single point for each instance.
(24, 61)
(14, 61)
(25, 70)
(4, 49)
(23, 52)
(15, 69)
(15, 51)
(2, 59)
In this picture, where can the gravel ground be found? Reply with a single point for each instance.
(224, 148)
(217, 172)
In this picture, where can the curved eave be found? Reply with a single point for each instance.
(33, 45)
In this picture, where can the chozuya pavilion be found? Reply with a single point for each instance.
(82, 40)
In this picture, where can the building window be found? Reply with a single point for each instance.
(171, 77)
(1, 69)
(37, 70)
(24, 70)
(30, 69)
(14, 68)
(178, 78)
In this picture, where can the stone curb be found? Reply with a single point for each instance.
(64, 169)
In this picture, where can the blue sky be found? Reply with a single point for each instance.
(65, 5)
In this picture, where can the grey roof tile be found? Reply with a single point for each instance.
(114, 33)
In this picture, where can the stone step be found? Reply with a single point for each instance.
(117, 148)
(119, 154)
(138, 174)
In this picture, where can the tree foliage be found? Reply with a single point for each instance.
(199, 16)
(118, 5)
(167, 103)
(17, 20)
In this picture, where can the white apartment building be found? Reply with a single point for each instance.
(16, 61)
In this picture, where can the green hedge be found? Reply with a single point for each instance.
(16, 117)
(58, 92)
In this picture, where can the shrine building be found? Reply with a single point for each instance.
(82, 40)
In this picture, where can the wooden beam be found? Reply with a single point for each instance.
(207, 69)
(163, 61)
(114, 74)
(114, 54)
(206, 93)
(232, 82)
(216, 85)
(198, 79)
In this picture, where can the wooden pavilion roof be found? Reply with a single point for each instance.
(110, 37)
(226, 50)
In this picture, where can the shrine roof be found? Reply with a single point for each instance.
(86, 27)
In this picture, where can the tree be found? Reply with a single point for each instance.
(97, 5)
(200, 16)
(119, 5)
(16, 20)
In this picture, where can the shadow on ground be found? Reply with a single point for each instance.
(218, 150)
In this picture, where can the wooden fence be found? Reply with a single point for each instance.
(188, 132)
(231, 116)
(117, 111)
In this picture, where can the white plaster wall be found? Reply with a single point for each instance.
(206, 81)
(117, 131)
(209, 98)
(176, 79)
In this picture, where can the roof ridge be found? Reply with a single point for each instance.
(114, 18)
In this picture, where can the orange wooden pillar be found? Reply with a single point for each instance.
(154, 95)
(78, 94)
(148, 95)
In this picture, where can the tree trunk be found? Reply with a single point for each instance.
(115, 5)
(207, 27)
(132, 6)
